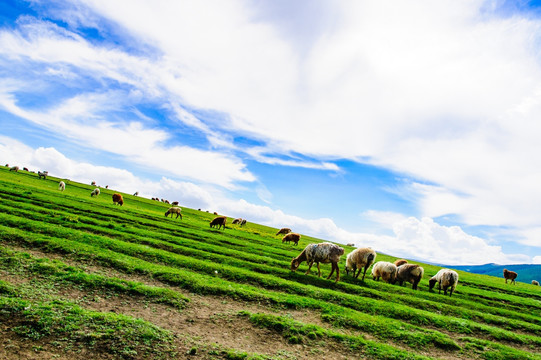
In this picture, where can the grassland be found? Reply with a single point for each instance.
(83, 278)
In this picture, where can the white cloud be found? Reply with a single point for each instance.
(536, 260)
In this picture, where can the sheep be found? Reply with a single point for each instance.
(358, 259)
(412, 273)
(25, 169)
(319, 253)
(446, 279)
(174, 203)
(237, 221)
(117, 198)
(215, 213)
(384, 270)
(283, 231)
(61, 186)
(510, 275)
(218, 221)
(350, 244)
(95, 192)
(136, 193)
(166, 201)
(107, 186)
(291, 237)
(43, 174)
(535, 282)
(399, 262)
(14, 168)
(174, 210)
(243, 222)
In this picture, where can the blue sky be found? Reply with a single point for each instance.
(408, 127)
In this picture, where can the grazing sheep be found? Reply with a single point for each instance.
(510, 275)
(358, 259)
(384, 270)
(446, 278)
(243, 222)
(350, 244)
(412, 273)
(61, 186)
(319, 253)
(219, 222)
(43, 175)
(174, 203)
(95, 192)
(215, 213)
(166, 201)
(283, 231)
(107, 186)
(25, 169)
(237, 221)
(93, 183)
(174, 210)
(117, 198)
(136, 193)
(14, 168)
(535, 282)
(7, 165)
(291, 237)
(399, 262)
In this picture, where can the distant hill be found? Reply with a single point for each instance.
(526, 272)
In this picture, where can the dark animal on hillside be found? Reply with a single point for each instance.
(117, 199)
(219, 222)
(360, 259)
(14, 168)
(283, 231)
(166, 201)
(136, 193)
(399, 262)
(319, 253)
(510, 275)
(412, 273)
(236, 221)
(291, 237)
(174, 210)
(243, 222)
(43, 174)
(93, 183)
(107, 186)
(535, 282)
(174, 203)
(25, 169)
(215, 213)
(446, 279)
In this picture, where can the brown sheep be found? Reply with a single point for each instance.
(237, 221)
(117, 198)
(243, 222)
(510, 275)
(174, 210)
(535, 282)
(43, 175)
(319, 253)
(291, 237)
(219, 222)
(14, 168)
(283, 231)
(384, 270)
(25, 169)
(399, 262)
(174, 203)
(93, 183)
(412, 273)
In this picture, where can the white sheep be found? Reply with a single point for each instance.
(61, 186)
(384, 270)
(535, 282)
(174, 210)
(95, 192)
(319, 253)
(358, 259)
(446, 279)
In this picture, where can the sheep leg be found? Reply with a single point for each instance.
(365, 268)
(309, 267)
(318, 270)
(332, 271)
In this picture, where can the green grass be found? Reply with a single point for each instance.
(484, 319)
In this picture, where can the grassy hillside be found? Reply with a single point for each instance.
(526, 272)
(81, 278)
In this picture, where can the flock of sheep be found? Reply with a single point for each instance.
(357, 261)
